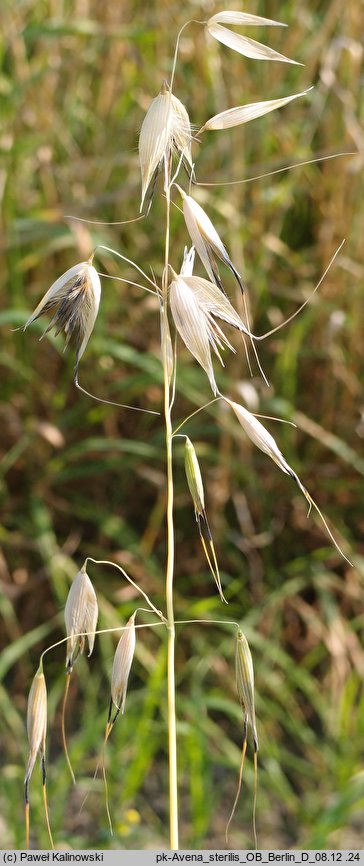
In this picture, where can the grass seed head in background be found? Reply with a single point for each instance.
(80, 615)
(166, 130)
(74, 300)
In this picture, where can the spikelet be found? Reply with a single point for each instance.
(242, 18)
(191, 324)
(265, 441)
(206, 240)
(165, 129)
(245, 687)
(195, 484)
(260, 436)
(36, 730)
(245, 113)
(209, 245)
(74, 301)
(194, 478)
(81, 612)
(245, 683)
(195, 305)
(243, 44)
(80, 615)
(36, 721)
(123, 659)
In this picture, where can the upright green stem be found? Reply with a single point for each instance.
(172, 739)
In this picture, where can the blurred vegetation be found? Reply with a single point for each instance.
(78, 478)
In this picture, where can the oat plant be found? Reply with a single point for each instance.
(191, 296)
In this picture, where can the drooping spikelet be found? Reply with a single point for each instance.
(245, 686)
(194, 477)
(195, 484)
(206, 240)
(74, 301)
(245, 683)
(123, 659)
(265, 441)
(36, 721)
(80, 616)
(165, 129)
(36, 730)
(261, 437)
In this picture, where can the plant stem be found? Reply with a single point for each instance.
(172, 739)
(171, 642)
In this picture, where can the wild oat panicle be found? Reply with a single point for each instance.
(200, 310)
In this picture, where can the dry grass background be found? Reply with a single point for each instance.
(80, 479)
